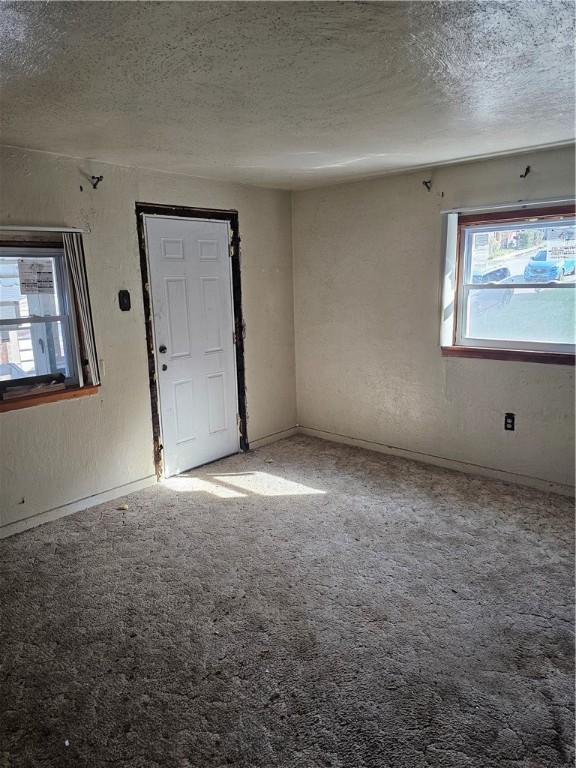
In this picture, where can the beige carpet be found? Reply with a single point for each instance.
(304, 606)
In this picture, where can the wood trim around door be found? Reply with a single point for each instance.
(239, 327)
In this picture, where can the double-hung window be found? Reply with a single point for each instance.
(47, 346)
(38, 337)
(511, 285)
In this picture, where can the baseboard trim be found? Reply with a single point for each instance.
(274, 437)
(9, 529)
(74, 506)
(441, 461)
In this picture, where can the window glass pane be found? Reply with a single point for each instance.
(33, 349)
(544, 315)
(542, 251)
(28, 286)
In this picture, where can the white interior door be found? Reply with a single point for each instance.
(191, 281)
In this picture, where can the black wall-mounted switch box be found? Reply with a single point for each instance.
(124, 300)
(510, 422)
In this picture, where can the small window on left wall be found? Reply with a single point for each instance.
(41, 344)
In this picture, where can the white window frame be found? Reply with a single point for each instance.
(67, 315)
(457, 285)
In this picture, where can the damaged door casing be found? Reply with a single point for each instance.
(239, 327)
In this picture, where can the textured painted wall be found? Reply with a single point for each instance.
(368, 260)
(367, 283)
(55, 454)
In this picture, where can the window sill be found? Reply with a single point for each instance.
(49, 397)
(519, 355)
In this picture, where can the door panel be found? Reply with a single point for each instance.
(190, 277)
(216, 402)
(178, 318)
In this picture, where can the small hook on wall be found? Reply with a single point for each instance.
(95, 180)
(428, 184)
(526, 172)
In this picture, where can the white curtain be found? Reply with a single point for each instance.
(75, 261)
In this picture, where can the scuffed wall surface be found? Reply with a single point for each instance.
(368, 259)
(55, 454)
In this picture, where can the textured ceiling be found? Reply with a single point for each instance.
(288, 94)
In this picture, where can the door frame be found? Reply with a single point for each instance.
(179, 211)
